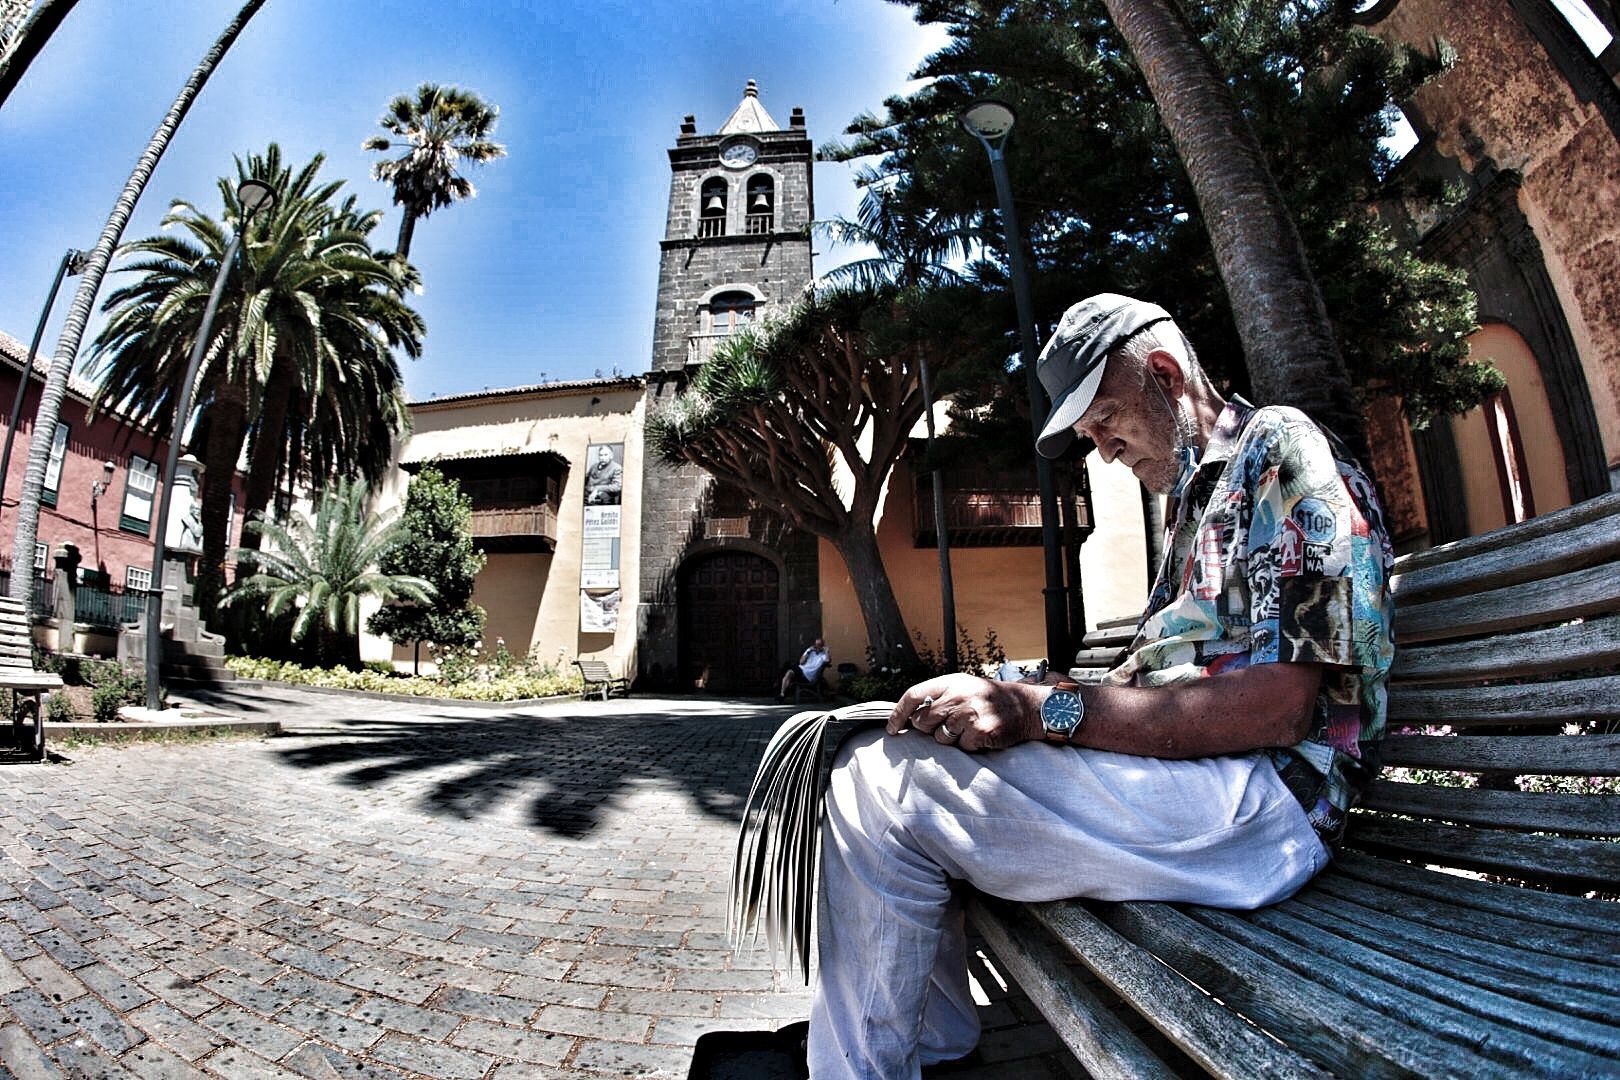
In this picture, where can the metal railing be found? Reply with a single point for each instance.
(106, 606)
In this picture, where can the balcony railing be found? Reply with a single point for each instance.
(710, 227)
(517, 527)
(700, 347)
(983, 517)
(106, 606)
(759, 224)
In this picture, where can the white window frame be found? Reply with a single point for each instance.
(141, 484)
(137, 579)
(53, 467)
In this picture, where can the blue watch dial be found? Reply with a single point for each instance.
(1061, 713)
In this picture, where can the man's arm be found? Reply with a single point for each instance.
(1259, 706)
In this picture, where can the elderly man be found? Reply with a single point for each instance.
(1215, 765)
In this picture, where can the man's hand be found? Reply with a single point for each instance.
(971, 713)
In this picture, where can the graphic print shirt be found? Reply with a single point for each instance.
(1278, 553)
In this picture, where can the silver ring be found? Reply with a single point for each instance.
(926, 702)
(949, 734)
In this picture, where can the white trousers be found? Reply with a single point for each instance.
(905, 816)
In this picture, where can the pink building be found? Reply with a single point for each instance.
(108, 515)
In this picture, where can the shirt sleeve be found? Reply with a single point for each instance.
(1298, 551)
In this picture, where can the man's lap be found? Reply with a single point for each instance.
(1042, 822)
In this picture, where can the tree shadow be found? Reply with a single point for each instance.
(573, 768)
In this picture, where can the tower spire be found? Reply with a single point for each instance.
(749, 115)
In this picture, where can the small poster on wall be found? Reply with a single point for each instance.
(598, 612)
(604, 476)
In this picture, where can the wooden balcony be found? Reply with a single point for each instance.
(982, 517)
(515, 528)
(700, 347)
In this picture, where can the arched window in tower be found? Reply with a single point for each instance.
(731, 311)
(712, 208)
(761, 205)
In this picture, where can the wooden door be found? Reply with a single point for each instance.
(728, 604)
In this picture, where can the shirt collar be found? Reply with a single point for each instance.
(1223, 439)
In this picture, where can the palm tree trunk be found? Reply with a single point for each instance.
(266, 460)
(227, 428)
(880, 611)
(407, 229)
(1287, 339)
(30, 41)
(67, 346)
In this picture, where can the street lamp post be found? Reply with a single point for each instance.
(253, 196)
(990, 121)
(72, 263)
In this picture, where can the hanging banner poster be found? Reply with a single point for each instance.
(598, 612)
(599, 544)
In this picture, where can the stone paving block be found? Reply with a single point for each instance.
(235, 1063)
(412, 1019)
(485, 1006)
(406, 988)
(248, 993)
(433, 1059)
(729, 980)
(25, 1057)
(114, 987)
(149, 1061)
(100, 1023)
(623, 1059)
(177, 990)
(590, 1024)
(170, 1027)
(328, 1063)
(52, 979)
(530, 1047)
(42, 1017)
(322, 964)
(250, 1030)
(656, 1003)
(329, 1026)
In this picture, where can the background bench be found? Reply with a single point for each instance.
(1463, 930)
(599, 679)
(17, 675)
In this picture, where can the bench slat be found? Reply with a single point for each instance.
(1576, 863)
(1101, 1041)
(1554, 543)
(1591, 591)
(1209, 1034)
(1543, 921)
(1479, 706)
(1594, 643)
(1348, 1038)
(1585, 815)
(1523, 755)
(1372, 971)
(1588, 989)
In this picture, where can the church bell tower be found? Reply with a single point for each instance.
(727, 589)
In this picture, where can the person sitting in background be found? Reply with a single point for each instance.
(806, 671)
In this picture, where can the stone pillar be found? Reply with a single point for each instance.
(67, 559)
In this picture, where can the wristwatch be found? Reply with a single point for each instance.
(1063, 711)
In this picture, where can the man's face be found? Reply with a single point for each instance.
(819, 644)
(604, 456)
(1130, 421)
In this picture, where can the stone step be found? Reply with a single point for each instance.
(202, 673)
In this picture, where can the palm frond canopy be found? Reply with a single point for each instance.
(433, 132)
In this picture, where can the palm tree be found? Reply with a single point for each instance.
(304, 343)
(78, 317)
(437, 129)
(324, 568)
(1287, 339)
(19, 51)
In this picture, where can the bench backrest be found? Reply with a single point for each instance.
(595, 671)
(16, 637)
(1504, 700)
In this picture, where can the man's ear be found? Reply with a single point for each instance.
(1166, 371)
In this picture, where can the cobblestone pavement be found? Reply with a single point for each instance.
(397, 891)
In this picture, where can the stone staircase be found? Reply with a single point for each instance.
(190, 653)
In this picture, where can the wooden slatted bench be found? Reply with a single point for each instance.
(18, 676)
(1463, 930)
(1103, 648)
(599, 679)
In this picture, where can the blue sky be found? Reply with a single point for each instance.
(550, 272)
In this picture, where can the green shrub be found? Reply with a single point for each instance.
(99, 673)
(526, 681)
(104, 702)
(883, 683)
(59, 710)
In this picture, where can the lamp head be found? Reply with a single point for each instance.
(988, 120)
(255, 195)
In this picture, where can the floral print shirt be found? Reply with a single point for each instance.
(1278, 553)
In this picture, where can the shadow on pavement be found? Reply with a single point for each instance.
(571, 767)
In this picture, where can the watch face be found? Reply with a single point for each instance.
(1061, 712)
(739, 154)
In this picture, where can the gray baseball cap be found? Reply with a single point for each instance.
(1071, 365)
